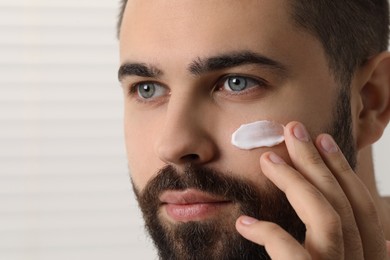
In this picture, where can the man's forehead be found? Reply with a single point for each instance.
(206, 4)
(173, 34)
(204, 11)
(208, 24)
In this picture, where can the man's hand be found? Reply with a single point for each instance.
(336, 207)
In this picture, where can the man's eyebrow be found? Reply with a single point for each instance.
(234, 59)
(138, 69)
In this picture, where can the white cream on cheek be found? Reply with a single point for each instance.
(258, 134)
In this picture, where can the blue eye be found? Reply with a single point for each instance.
(149, 90)
(146, 90)
(239, 83)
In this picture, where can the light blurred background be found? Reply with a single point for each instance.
(64, 185)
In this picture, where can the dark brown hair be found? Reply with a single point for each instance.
(351, 31)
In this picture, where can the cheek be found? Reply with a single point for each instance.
(312, 106)
(283, 108)
(244, 164)
(139, 138)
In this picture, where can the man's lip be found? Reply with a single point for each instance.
(189, 196)
(191, 205)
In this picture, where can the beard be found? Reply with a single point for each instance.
(217, 238)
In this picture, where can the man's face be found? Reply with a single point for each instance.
(196, 71)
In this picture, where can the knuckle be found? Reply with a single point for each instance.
(377, 249)
(344, 167)
(332, 223)
(370, 210)
(333, 234)
(315, 193)
(301, 255)
(344, 207)
(328, 179)
(313, 158)
(273, 228)
(351, 232)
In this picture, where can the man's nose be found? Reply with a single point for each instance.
(186, 136)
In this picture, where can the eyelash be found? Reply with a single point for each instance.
(133, 91)
(259, 83)
(218, 86)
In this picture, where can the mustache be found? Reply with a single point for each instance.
(201, 178)
(266, 203)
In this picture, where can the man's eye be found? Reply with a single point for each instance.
(149, 90)
(239, 83)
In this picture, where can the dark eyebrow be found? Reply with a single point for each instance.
(138, 69)
(234, 59)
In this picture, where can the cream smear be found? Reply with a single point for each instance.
(258, 134)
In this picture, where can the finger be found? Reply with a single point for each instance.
(308, 161)
(388, 248)
(366, 216)
(324, 237)
(277, 242)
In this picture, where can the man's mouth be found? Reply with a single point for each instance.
(191, 205)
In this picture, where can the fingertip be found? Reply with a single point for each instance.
(300, 132)
(327, 144)
(288, 127)
(276, 159)
(388, 248)
(295, 130)
(247, 221)
(271, 157)
(244, 222)
(264, 159)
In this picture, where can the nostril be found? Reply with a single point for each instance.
(190, 158)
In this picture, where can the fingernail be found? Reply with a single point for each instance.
(328, 144)
(301, 133)
(247, 220)
(275, 158)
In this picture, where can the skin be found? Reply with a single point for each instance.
(193, 117)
